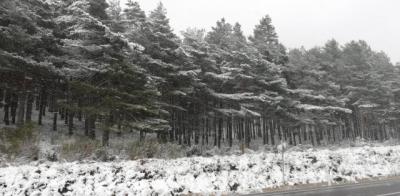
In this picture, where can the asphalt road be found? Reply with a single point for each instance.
(376, 188)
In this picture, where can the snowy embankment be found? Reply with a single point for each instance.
(246, 173)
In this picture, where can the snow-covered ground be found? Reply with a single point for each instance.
(220, 174)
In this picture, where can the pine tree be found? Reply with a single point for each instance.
(135, 23)
(221, 34)
(115, 15)
(163, 41)
(97, 8)
(265, 39)
(238, 38)
(109, 84)
(134, 15)
(28, 49)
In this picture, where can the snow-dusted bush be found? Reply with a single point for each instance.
(251, 172)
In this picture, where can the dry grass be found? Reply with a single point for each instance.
(78, 148)
(19, 142)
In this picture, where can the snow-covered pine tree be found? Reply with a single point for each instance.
(135, 23)
(115, 16)
(106, 82)
(221, 34)
(238, 38)
(354, 77)
(265, 39)
(27, 50)
(134, 15)
(165, 60)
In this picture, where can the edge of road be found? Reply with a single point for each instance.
(324, 186)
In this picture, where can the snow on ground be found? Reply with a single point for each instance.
(220, 174)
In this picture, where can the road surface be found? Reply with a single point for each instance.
(375, 188)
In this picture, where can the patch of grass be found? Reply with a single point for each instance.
(76, 148)
(20, 141)
(143, 149)
(151, 148)
(172, 151)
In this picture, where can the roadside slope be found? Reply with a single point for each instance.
(220, 174)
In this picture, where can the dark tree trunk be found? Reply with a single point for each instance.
(62, 114)
(40, 114)
(7, 107)
(92, 127)
(21, 108)
(55, 116)
(29, 105)
(207, 130)
(79, 112)
(37, 102)
(66, 115)
(86, 125)
(54, 109)
(215, 131)
(247, 133)
(71, 123)
(42, 106)
(106, 131)
(2, 91)
(14, 105)
(272, 131)
(106, 136)
(141, 135)
(219, 131)
(230, 132)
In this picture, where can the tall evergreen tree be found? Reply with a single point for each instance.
(134, 14)
(28, 49)
(115, 15)
(220, 34)
(136, 24)
(113, 87)
(265, 39)
(238, 38)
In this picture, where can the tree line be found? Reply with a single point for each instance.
(117, 69)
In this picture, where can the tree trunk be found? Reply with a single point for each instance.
(92, 127)
(62, 114)
(215, 131)
(40, 114)
(14, 106)
(42, 106)
(66, 115)
(55, 116)
(220, 121)
(2, 92)
(37, 101)
(230, 131)
(29, 105)
(71, 123)
(7, 107)
(21, 108)
(272, 131)
(86, 125)
(106, 131)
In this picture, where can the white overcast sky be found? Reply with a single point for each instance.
(298, 22)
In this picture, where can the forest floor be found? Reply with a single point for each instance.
(251, 172)
(33, 142)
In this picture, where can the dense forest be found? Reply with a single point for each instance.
(117, 69)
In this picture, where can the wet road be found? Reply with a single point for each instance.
(376, 188)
